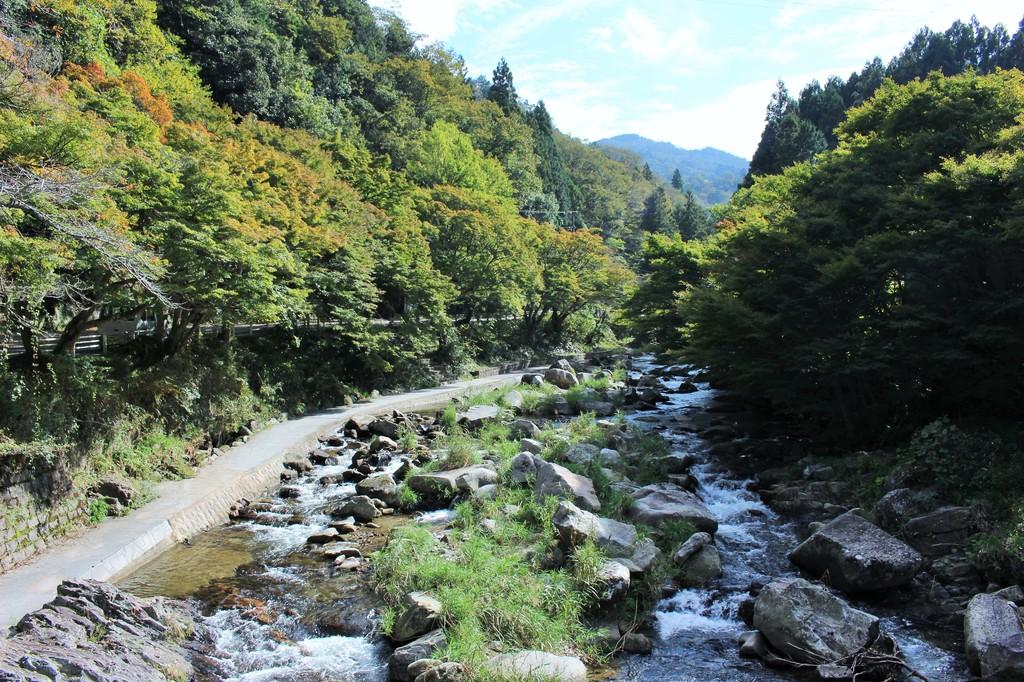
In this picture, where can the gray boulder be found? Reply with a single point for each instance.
(419, 612)
(418, 649)
(440, 486)
(614, 580)
(693, 544)
(557, 481)
(524, 428)
(514, 400)
(703, 566)
(93, 631)
(575, 526)
(523, 468)
(384, 427)
(857, 556)
(938, 532)
(535, 665)
(994, 638)
(599, 408)
(475, 416)
(807, 623)
(561, 378)
(582, 454)
(659, 502)
(359, 507)
(531, 445)
(380, 486)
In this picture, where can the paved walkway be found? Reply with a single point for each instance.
(184, 508)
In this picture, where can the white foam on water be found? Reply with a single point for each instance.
(437, 517)
(695, 611)
(249, 653)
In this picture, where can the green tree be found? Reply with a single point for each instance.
(677, 180)
(658, 213)
(503, 91)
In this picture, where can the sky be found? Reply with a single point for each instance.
(697, 73)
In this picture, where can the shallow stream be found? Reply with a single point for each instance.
(315, 616)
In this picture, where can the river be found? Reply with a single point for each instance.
(315, 617)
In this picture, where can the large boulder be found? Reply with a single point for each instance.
(384, 427)
(535, 665)
(476, 415)
(697, 561)
(359, 507)
(660, 502)
(557, 481)
(440, 486)
(994, 638)
(805, 622)
(380, 486)
(898, 506)
(418, 615)
(613, 576)
(857, 556)
(941, 531)
(561, 378)
(93, 631)
(418, 649)
(575, 526)
(705, 565)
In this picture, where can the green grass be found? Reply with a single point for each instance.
(407, 439)
(490, 594)
(407, 498)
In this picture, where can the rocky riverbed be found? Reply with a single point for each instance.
(778, 575)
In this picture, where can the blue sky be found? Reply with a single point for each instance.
(694, 73)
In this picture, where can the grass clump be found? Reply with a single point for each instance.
(407, 498)
(491, 596)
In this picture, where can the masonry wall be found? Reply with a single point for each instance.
(38, 505)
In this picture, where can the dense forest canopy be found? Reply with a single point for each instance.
(797, 128)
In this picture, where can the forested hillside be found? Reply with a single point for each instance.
(711, 174)
(209, 164)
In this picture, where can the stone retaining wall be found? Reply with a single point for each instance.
(38, 504)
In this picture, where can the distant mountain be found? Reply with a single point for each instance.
(711, 174)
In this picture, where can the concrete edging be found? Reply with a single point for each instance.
(189, 506)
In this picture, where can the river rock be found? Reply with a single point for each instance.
(513, 400)
(419, 613)
(524, 428)
(441, 486)
(403, 656)
(380, 486)
(994, 638)
(323, 537)
(523, 468)
(693, 544)
(575, 526)
(614, 579)
(476, 415)
(807, 623)
(599, 408)
(360, 507)
(636, 643)
(857, 556)
(557, 481)
(561, 378)
(582, 454)
(898, 506)
(448, 671)
(93, 631)
(938, 532)
(334, 550)
(384, 427)
(531, 445)
(659, 502)
(540, 665)
(704, 565)
(383, 443)
(300, 465)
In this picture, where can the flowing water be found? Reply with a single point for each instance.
(317, 620)
(698, 628)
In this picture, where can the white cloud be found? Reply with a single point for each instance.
(644, 37)
(436, 19)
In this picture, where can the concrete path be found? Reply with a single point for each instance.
(184, 508)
